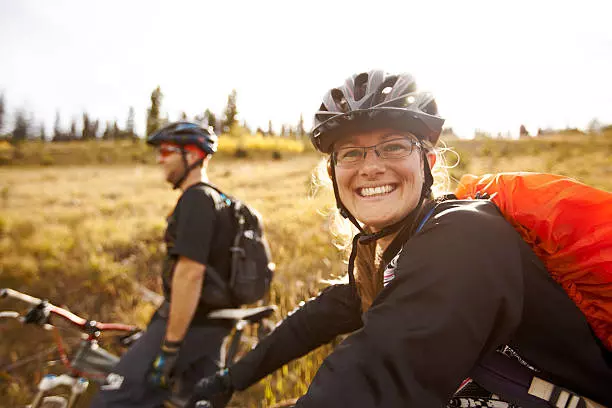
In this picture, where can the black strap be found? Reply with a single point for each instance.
(217, 189)
(512, 381)
(237, 252)
(186, 168)
(351, 262)
(408, 219)
(508, 379)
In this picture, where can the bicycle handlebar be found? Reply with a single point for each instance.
(87, 326)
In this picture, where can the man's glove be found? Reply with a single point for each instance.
(216, 390)
(160, 373)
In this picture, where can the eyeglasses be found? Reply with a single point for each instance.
(389, 149)
(166, 151)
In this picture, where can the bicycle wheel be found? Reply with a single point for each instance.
(54, 402)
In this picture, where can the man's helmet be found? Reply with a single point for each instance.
(184, 134)
(374, 99)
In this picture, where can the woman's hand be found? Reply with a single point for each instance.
(217, 387)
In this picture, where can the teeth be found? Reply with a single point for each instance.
(370, 191)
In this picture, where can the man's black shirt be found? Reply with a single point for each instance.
(199, 228)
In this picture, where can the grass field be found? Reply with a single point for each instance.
(73, 233)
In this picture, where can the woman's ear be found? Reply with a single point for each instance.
(329, 168)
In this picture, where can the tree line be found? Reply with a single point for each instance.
(25, 127)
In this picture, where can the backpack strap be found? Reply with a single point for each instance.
(425, 219)
(559, 396)
(514, 382)
(236, 250)
(218, 190)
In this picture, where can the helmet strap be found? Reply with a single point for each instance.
(425, 193)
(363, 237)
(186, 168)
(343, 211)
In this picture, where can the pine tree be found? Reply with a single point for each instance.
(57, 130)
(42, 134)
(246, 127)
(231, 112)
(116, 132)
(210, 118)
(129, 125)
(20, 131)
(153, 121)
(94, 129)
(107, 135)
(300, 129)
(270, 131)
(86, 127)
(73, 133)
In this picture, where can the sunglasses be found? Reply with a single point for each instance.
(166, 151)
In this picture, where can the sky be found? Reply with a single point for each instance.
(492, 65)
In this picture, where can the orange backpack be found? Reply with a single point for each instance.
(568, 225)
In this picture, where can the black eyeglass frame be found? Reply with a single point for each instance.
(359, 159)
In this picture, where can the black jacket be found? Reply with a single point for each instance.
(464, 285)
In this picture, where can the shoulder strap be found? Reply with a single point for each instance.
(425, 219)
(218, 190)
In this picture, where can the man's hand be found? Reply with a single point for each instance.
(217, 387)
(160, 373)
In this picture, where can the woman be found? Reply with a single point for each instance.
(438, 285)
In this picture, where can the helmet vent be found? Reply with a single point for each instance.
(431, 107)
(361, 85)
(340, 100)
(319, 116)
(385, 89)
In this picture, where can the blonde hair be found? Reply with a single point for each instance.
(368, 269)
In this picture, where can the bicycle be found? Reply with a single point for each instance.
(90, 361)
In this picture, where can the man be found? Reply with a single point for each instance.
(181, 345)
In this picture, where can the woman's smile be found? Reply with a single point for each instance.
(378, 191)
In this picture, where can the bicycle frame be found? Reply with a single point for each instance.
(91, 362)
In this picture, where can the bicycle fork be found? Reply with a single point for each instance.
(78, 385)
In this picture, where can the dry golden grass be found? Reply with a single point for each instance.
(72, 234)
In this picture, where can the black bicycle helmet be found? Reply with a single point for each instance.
(376, 97)
(186, 133)
(374, 100)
